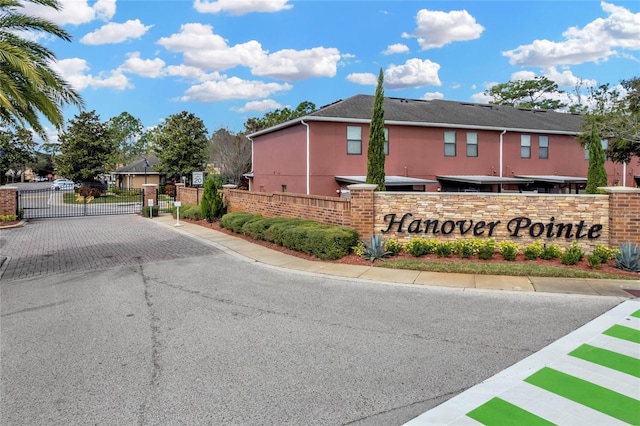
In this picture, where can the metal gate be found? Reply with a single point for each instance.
(45, 203)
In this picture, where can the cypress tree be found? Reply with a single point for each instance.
(375, 153)
(596, 175)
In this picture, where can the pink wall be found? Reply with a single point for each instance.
(280, 157)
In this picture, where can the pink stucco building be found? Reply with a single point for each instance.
(431, 145)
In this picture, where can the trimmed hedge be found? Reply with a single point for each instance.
(321, 241)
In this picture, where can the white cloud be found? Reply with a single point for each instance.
(437, 29)
(292, 65)
(396, 48)
(150, 68)
(74, 12)
(566, 78)
(259, 106)
(232, 88)
(432, 95)
(113, 33)
(481, 98)
(523, 75)
(595, 42)
(241, 7)
(75, 72)
(364, 78)
(204, 49)
(192, 73)
(414, 73)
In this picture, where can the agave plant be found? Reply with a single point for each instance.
(375, 249)
(628, 258)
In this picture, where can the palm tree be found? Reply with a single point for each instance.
(29, 87)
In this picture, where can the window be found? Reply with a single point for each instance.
(525, 146)
(450, 143)
(386, 141)
(543, 147)
(472, 144)
(354, 140)
(284, 188)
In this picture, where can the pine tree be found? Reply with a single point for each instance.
(375, 154)
(596, 175)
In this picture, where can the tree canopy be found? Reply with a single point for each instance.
(29, 87)
(125, 131)
(85, 148)
(231, 154)
(181, 145)
(17, 149)
(277, 116)
(537, 93)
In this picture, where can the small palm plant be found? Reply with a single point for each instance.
(375, 249)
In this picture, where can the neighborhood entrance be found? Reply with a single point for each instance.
(46, 203)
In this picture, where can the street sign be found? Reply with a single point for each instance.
(197, 178)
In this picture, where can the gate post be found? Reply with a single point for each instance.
(149, 192)
(624, 215)
(362, 209)
(9, 200)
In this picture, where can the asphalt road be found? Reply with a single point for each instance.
(178, 332)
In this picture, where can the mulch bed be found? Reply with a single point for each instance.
(353, 259)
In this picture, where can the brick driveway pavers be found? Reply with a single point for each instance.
(43, 247)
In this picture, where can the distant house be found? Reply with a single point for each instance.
(430, 145)
(139, 172)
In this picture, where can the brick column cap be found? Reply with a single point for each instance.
(619, 190)
(230, 186)
(8, 188)
(149, 185)
(180, 184)
(362, 187)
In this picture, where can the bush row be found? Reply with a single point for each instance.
(321, 241)
(486, 249)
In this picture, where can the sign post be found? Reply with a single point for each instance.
(177, 204)
(150, 205)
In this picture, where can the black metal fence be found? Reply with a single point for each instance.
(45, 203)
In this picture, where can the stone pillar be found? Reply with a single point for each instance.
(8, 200)
(624, 215)
(362, 209)
(150, 191)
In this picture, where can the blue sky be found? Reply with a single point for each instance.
(228, 60)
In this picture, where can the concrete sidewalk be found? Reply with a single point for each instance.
(258, 253)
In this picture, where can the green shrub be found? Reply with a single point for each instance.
(235, 221)
(572, 255)
(393, 246)
(275, 231)
(444, 249)
(358, 249)
(533, 251)
(509, 250)
(154, 211)
(594, 261)
(487, 249)
(420, 246)
(466, 248)
(211, 203)
(605, 253)
(551, 251)
(628, 258)
(321, 241)
(257, 228)
(375, 249)
(8, 217)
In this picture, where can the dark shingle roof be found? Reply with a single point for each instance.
(137, 167)
(441, 113)
(453, 113)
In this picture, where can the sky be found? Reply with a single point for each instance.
(226, 61)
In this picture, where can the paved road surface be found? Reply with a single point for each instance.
(117, 320)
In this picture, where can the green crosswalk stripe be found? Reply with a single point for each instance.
(499, 412)
(591, 395)
(636, 314)
(622, 332)
(609, 359)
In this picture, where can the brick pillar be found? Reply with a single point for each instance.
(8, 200)
(179, 188)
(150, 191)
(362, 211)
(226, 198)
(624, 215)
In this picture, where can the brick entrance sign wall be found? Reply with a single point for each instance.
(611, 218)
(8, 200)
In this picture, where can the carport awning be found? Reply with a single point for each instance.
(389, 181)
(483, 180)
(554, 179)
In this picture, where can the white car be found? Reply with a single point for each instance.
(62, 184)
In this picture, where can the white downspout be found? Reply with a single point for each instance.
(252, 167)
(308, 160)
(501, 135)
(624, 174)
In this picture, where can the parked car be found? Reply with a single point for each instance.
(62, 184)
(41, 179)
